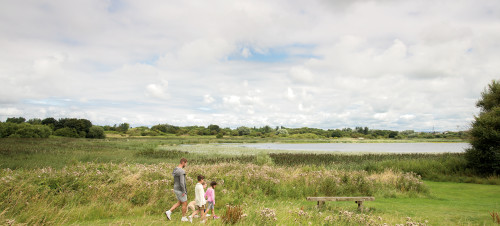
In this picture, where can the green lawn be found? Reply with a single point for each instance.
(448, 204)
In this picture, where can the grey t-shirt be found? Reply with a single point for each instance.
(179, 180)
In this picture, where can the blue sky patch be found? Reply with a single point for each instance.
(277, 54)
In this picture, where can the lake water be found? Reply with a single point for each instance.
(366, 147)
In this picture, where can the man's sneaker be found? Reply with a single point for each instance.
(208, 215)
(191, 219)
(168, 213)
(184, 219)
(196, 216)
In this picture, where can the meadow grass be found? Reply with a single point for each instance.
(128, 180)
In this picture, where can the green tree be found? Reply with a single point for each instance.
(214, 129)
(267, 129)
(67, 132)
(16, 120)
(33, 131)
(123, 127)
(51, 122)
(96, 132)
(35, 121)
(484, 155)
(282, 132)
(243, 130)
(336, 133)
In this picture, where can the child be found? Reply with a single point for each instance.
(199, 195)
(210, 195)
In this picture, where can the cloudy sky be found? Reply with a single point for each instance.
(326, 64)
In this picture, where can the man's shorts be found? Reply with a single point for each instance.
(179, 196)
(210, 205)
(202, 207)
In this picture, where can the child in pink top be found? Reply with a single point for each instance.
(210, 196)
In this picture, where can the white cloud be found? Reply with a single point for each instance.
(290, 94)
(301, 74)
(158, 90)
(386, 64)
(245, 52)
(10, 112)
(208, 99)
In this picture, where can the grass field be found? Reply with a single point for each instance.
(128, 181)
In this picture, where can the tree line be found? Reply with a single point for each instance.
(83, 128)
(18, 127)
(278, 131)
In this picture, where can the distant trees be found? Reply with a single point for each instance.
(16, 120)
(123, 127)
(82, 128)
(96, 132)
(243, 130)
(484, 156)
(166, 128)
(38, 128)
(214, 129)
(24, 130)
(282, 132)
(50, 122)
(337, 133)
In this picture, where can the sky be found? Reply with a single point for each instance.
(388, 64)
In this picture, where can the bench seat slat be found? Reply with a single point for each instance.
(340, 198)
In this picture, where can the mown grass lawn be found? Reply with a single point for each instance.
(447, 204)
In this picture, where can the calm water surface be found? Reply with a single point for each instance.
(367, 147)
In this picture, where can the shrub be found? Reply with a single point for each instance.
(24, 130)
(8, 128)
(243, 130)
(66, 132)
(96, 132)
(34, 131)
(282, 132)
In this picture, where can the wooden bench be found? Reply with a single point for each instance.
(359, 200)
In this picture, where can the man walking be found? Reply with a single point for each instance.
(179, 190)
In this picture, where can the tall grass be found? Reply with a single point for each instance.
(107, 190)
(436, 167)
(59, 152)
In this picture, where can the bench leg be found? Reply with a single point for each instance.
(360, 205)
(321, 203)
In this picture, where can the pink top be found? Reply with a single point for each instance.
(210, 195)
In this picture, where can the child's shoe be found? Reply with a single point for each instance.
(191, 219)
(168, 213)
(215, 217)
